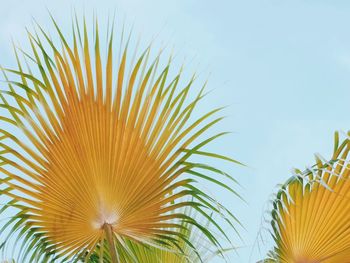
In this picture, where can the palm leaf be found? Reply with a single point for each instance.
(311, 215)
(92, 155)
(192, 246)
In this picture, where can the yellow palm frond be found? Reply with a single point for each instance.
(311, 216)
(92, 154)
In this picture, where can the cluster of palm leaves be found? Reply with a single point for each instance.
(103, 159)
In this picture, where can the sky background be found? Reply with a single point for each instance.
(282, 66)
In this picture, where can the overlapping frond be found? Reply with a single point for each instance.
(311, 216)
(92, 154)
(195, 251)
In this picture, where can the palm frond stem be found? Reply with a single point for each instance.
(110, 240)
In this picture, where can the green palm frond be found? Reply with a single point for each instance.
(193, 247)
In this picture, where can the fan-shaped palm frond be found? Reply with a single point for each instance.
(93, 155)
(311, 216)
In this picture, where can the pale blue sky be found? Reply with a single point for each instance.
(283, 66)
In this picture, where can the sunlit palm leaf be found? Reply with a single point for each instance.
(92, 154)
(311, 216)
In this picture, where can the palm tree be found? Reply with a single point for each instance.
(311, 215)
(94, 155)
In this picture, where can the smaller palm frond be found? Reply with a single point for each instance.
(94, 154)
(198, 249)
(311, 213)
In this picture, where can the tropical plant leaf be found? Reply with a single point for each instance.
(192, 246)
(96, 161)
(311, 215)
